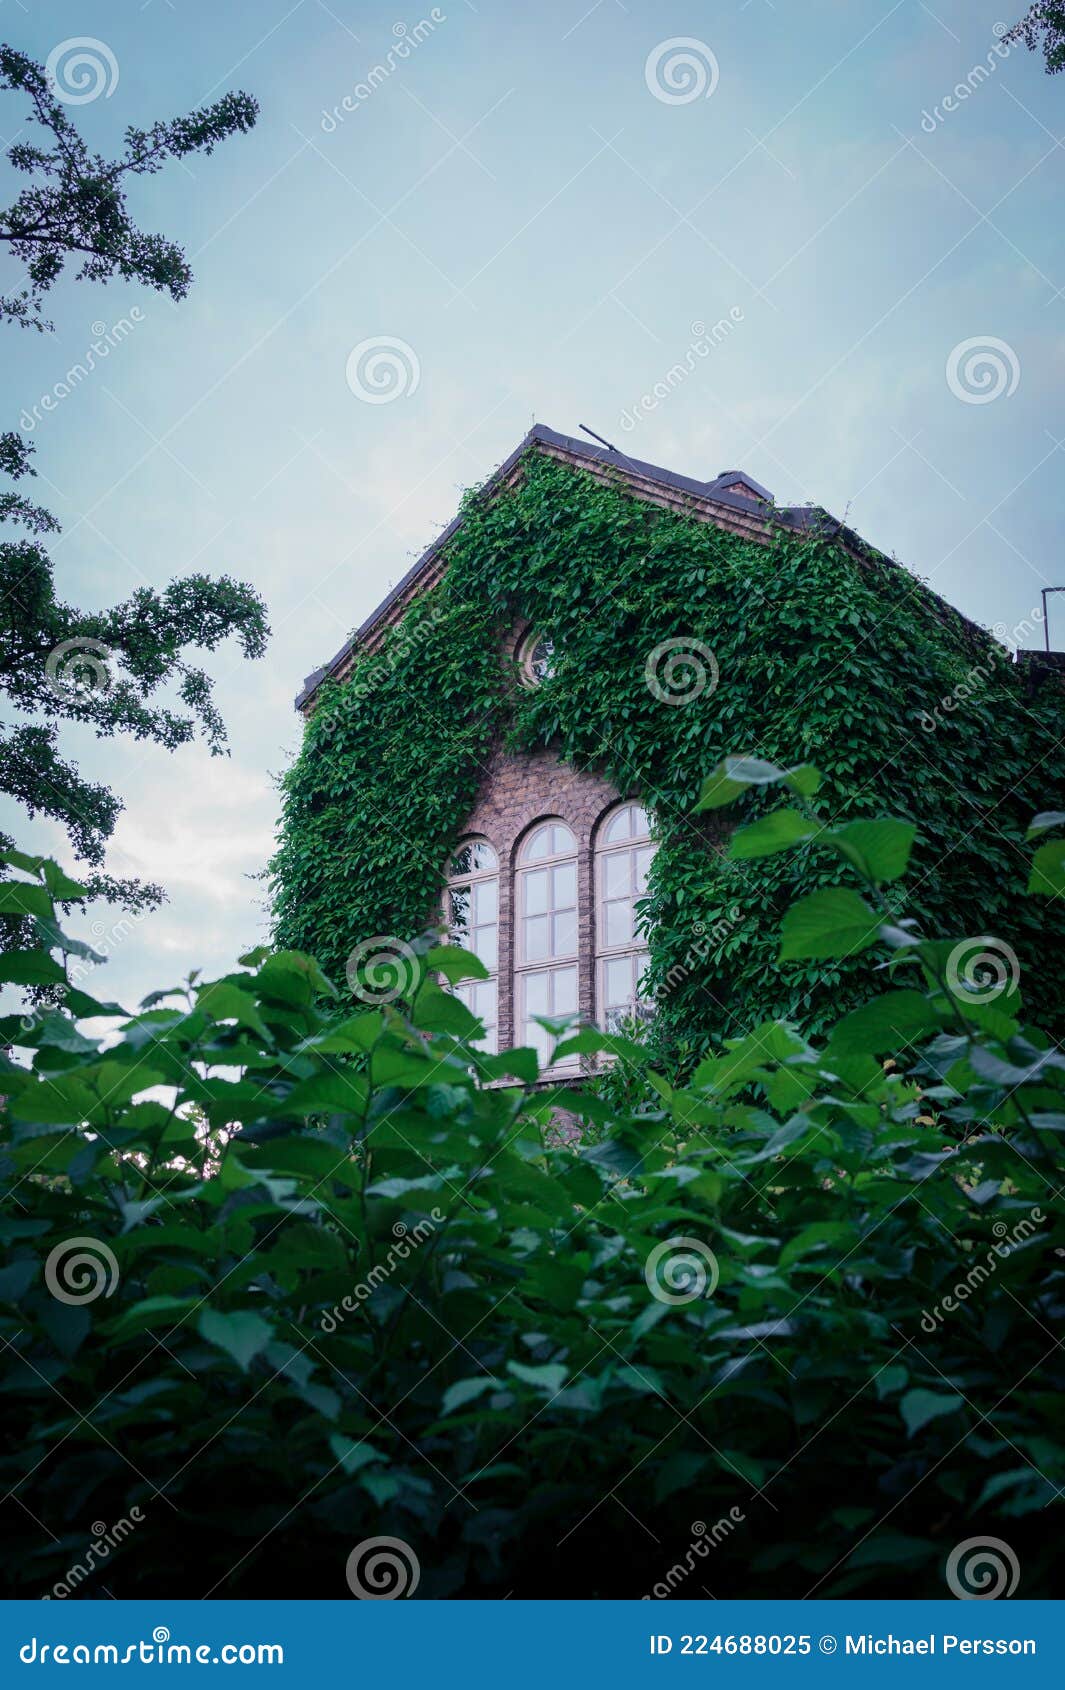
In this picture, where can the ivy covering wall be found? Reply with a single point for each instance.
(822, 656)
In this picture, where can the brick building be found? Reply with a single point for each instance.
(547, 870)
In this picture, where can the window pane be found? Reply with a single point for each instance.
(537, 998)
(484, 858)
(617, 874)
(535, 891)
(540, 1039)
(617, 925)
(536, 938)
(564, 933)
(460, 916)
(462, 861)
(641, 822)
(565, 993)
(562, 839)
(486, 945)
(619, 826)
(643, 863)
(564, 886)
(539, 845)
(486, 901)
(617, 982)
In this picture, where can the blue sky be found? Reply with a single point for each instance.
(509, 196)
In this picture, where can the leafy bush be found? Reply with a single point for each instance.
(280, 1279)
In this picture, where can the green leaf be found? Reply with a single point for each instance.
(832, 923)
(549, 1377)
(778, 831)
(20, 897)
(919, 1406)
(735, 774)
(241, 1334)
(30, 968)
(464, 1391)
(1048, 869)
(455, 964)
(883, 1025)
(353, 1456)
(1044, 821)
(879, 850)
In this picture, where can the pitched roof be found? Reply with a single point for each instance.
(731, 500)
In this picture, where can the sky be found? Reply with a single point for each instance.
(452, 221)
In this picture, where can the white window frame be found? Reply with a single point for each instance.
(634, 950)
(556, 961)
(466, 990)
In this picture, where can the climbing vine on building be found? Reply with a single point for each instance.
(821, 654)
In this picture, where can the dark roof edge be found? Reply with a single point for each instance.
(807, 517)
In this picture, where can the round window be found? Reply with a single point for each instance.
(537, 659)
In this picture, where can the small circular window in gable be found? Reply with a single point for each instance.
(536, 659)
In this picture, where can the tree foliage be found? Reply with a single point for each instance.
(789, 1327)
(1043, 25)
(58, 662)
(821, 653)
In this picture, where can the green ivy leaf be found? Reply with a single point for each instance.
(832, 923)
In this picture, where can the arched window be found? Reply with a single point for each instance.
(546, 940)
(473, 923)
(622, 858)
